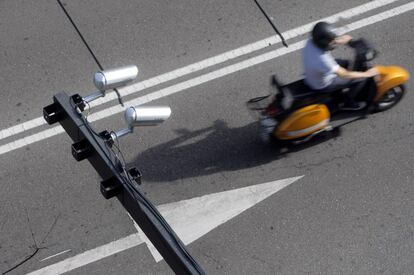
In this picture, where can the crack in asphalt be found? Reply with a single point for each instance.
(37, 248)
(217, 262)
(317, 164)
(270, 265)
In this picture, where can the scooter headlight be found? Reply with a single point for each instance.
(370, 55)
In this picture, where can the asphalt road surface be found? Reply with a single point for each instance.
(352, 212)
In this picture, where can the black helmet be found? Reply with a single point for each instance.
(323, 34)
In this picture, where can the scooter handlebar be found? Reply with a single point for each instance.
(363, 49)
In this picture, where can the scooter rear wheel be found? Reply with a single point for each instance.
(390, 98)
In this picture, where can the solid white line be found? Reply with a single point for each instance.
(190, 219)
(203, 79)
(60, 253)
(135, 88)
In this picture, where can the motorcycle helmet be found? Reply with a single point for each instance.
(323, 34)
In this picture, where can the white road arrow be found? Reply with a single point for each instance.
(190, 219)
(193, 218)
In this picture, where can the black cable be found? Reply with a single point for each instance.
(87, 46)
(149, 206)
(138, 197)
(271, 23)
(80, 35)
(129, 185)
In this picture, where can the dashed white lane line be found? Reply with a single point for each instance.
(135, 88)
(204, 78)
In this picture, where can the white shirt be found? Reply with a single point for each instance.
(319, 66)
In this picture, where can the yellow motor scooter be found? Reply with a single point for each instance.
(296, 113)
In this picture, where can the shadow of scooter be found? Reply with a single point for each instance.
(213, 150)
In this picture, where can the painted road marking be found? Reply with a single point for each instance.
(91, 256)
(190, 219)
(203, 79)
(246, 49)
(57, 254)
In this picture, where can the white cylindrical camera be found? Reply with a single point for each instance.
(114, 78)
(142, 116)
(146, 116)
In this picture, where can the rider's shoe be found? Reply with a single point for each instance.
(353, 106)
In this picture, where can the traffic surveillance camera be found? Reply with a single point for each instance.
(115, 78)
(146, 116)
(111, 79)
(142, 116)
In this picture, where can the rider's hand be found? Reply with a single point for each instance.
(343, 39)
(372, 72)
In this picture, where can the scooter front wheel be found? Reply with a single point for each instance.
(390, 98)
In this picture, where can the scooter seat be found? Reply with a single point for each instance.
(301, 95)
(299, 89)
(297, 94)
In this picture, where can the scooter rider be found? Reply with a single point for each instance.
(325, 74)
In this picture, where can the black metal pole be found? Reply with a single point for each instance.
(92, 146)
